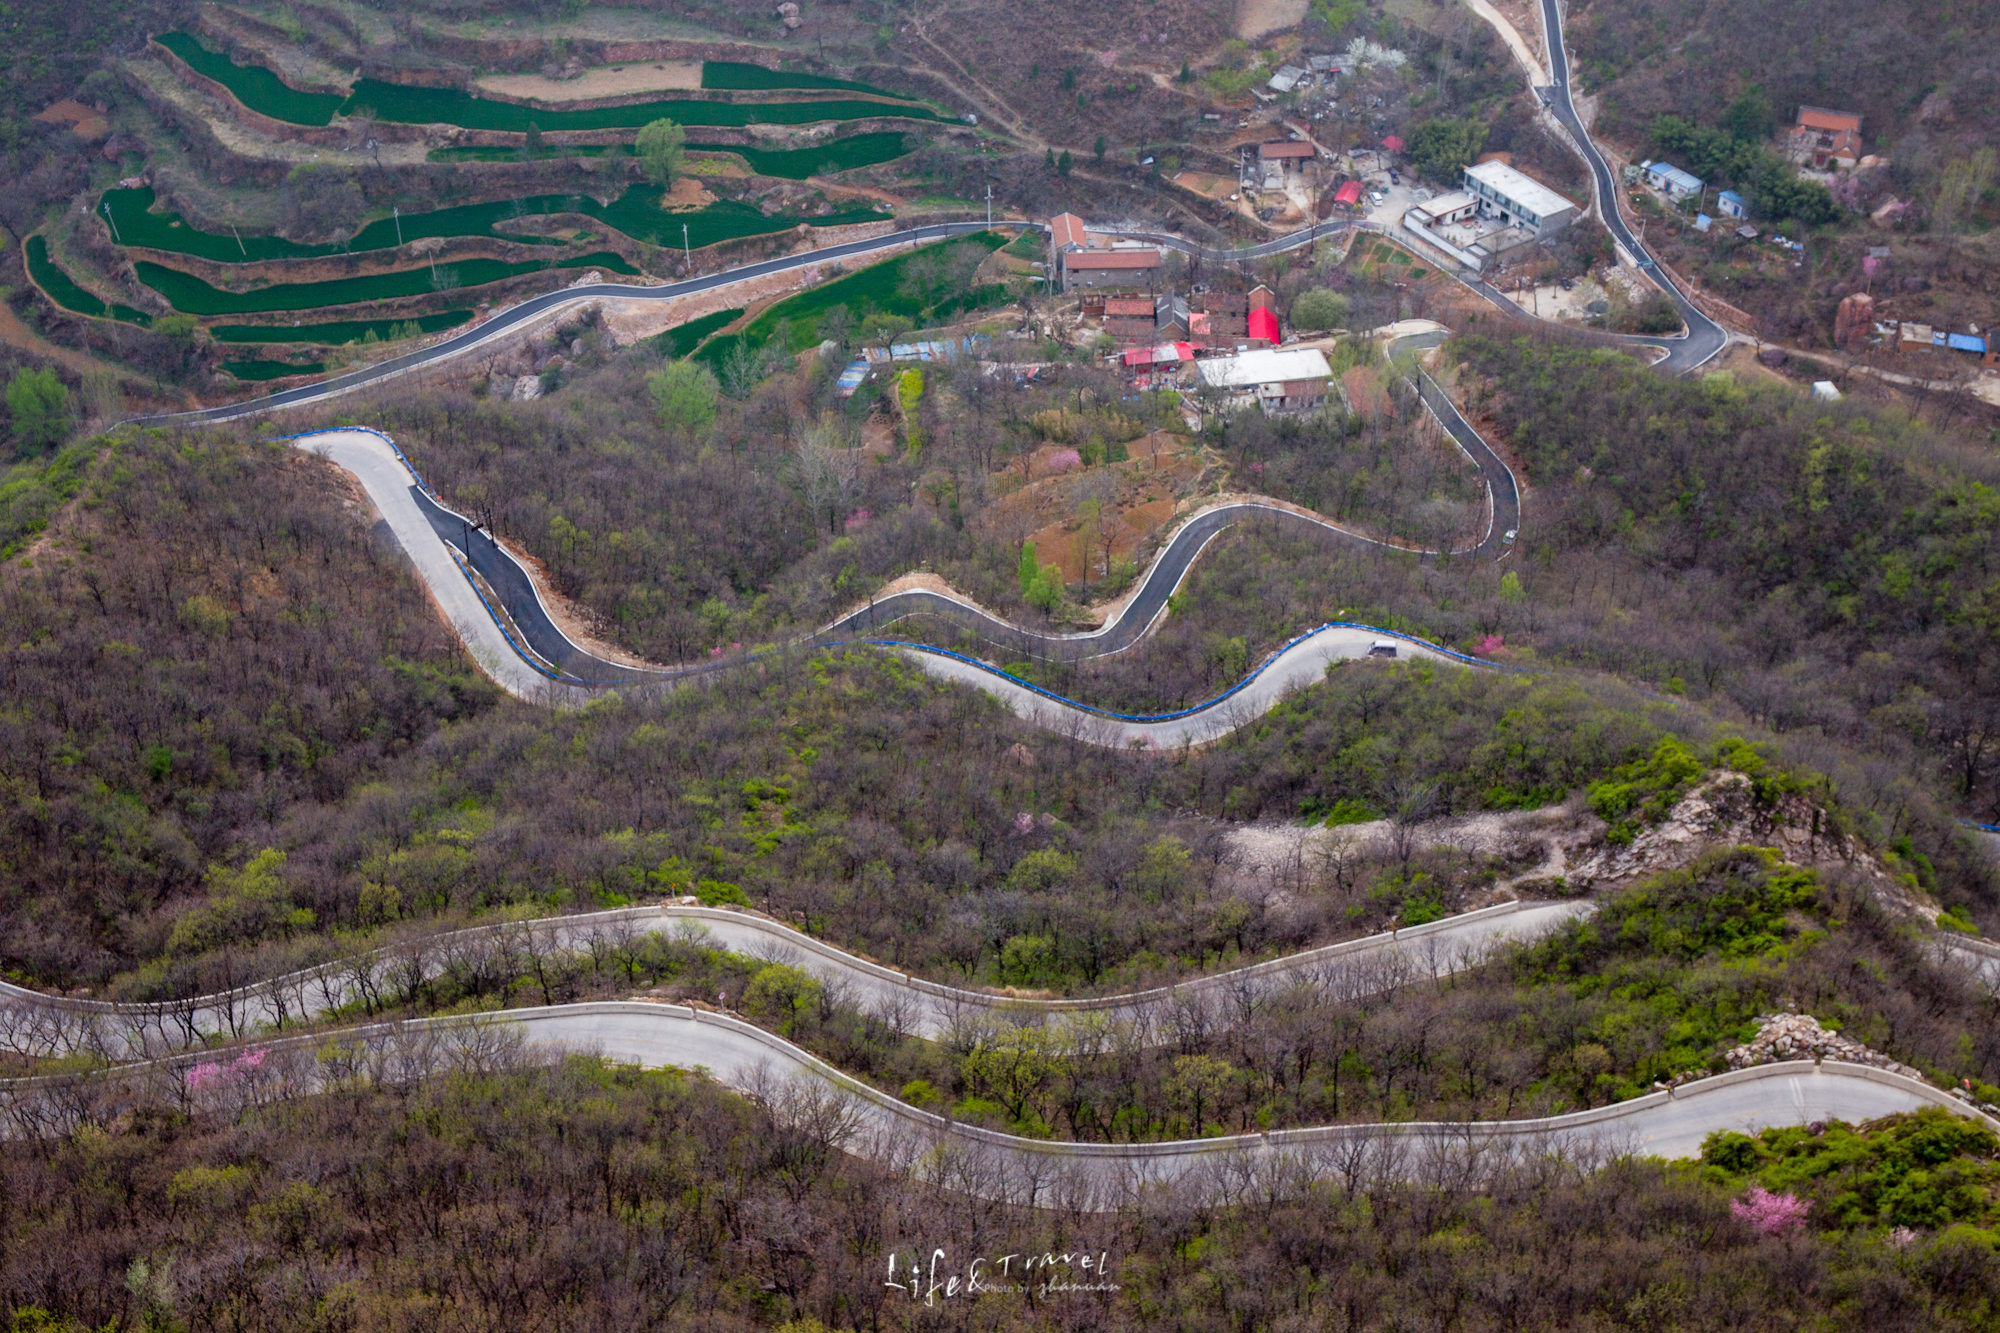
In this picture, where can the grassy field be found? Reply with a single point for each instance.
(253, 85)
(262, 91)
(65, 293)
(730, 76)
(878, 289)
(679, 341)
(334, 333)
(636, 212)
(256, 371)
(858, 150)
(191, 295)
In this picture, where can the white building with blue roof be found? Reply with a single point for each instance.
(1670, 180)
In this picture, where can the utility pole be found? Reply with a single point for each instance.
(399, 224)
(989, 204)
(109, 222)
(687, 250)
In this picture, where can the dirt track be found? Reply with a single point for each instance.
(604, 81)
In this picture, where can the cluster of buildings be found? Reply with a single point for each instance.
(1227, 339)
(1819, 140)
(1496, 210)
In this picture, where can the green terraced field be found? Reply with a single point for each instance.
(262, 91)
(859, 150)
(64, 292)
(135, 224)
(677, 342)
(878, 287)
(334, 333)
(636, 213)
(731, 76)
(191, 295)
(254, 371)
(253, 85)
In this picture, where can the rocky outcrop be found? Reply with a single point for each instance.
(1800, 1037)
(1853, 322)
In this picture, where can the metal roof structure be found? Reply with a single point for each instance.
(1673, 177)
(1246, 370)
(1519, 187)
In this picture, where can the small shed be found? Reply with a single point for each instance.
(1286, 79)
(1670, 180)
(1348, 195)
(1731, 204)
(1825, 391)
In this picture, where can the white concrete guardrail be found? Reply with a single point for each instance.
(40, 1026)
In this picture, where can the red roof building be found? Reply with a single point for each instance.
(1826, 140)
(1264, 324)
(1392, 144)
(1066, 230)
(1348, 195)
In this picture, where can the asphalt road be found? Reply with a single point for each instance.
(1704, 337)
(533, 308)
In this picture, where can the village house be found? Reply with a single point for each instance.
(1291, 380)
(1226, 315)
(1284, 156)
(1670, 180)
(1825, 140)
(1518, 199)
(1078, 260)
(1129, 320)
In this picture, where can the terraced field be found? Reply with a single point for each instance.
(190, 295)
(636, 212)
(336, 332)
(835, 155)
(265, 93)
(879, 288)
(62, 289)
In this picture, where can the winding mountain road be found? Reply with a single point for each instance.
(1704, 337)
(861, 1119)
(39, 1026)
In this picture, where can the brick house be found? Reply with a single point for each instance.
(1826, 140)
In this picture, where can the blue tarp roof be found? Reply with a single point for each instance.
(1966, 342)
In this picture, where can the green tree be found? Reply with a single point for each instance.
(1064, 163)
(1198, 1086)
(1319, 309)
(1098, 148)
(1510, 588)
(661, 145)
(685, 395)
(1441, 148)
(782, 994)
(1749, 117)
(38, 410)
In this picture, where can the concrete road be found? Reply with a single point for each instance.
(39, 1025)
